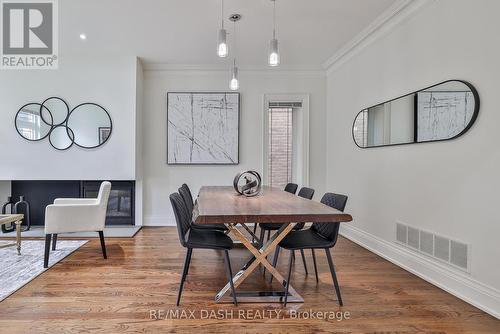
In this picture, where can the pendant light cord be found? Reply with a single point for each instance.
(222, 13)
(234, 31)
(274, 19)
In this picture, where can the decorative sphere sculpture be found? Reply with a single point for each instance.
(247, 183)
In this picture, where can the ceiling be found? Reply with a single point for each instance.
(185, 31)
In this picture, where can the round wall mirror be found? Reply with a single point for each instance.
(91, 125)
(61, 137)
(57, 108)
(33, 121)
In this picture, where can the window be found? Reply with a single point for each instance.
(280, 157)
(285, 140)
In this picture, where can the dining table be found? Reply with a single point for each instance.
(223, 205)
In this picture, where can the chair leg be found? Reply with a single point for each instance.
(268, 234)
(54, 241)
(254, 231)
(262, 231)
(47, 250)
(334, 276)
(184, 273)
(230, 277)
(275, 259)
(103, 245)
(289, 276)
(304, 261)
(315, 266)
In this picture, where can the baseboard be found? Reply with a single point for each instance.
(158, 221)
(457, 283)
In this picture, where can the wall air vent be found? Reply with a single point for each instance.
(452, 252)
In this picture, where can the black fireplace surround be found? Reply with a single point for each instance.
(121, 205)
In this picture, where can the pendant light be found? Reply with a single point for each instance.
(234, 84)
(222, 50)
(274, 56)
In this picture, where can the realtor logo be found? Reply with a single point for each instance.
(29, 34)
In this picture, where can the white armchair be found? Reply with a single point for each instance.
(76, 215)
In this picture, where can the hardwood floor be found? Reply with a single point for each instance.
(85, 293)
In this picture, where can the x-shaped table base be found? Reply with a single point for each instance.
(259, 257)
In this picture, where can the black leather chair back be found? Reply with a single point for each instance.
(182, 218)
(291, 188)
(188, 191)
(187, 198)
(331, 230)
(306, 192)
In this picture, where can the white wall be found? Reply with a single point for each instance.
(450, 188)
(108, 81)
(161, 179)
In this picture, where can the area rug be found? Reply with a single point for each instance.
(18, 270)
(109, 232)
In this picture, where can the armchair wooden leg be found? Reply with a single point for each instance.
(184, 274)
(54, 241)
(103, 245)
(47, 250)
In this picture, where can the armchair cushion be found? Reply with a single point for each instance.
(61, 218)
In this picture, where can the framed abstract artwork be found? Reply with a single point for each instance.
(203, 128)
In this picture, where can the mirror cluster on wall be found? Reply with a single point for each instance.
(440, 112)
(87, 125)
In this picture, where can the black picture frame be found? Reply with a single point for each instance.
(238, 129)
(415, 136)
(104, 133)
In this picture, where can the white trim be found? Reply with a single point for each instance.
(304, 98)
(310, 70)
(401, 10)
(452, 281)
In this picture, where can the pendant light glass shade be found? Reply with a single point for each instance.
(234, 84)
(274, 56)
(222, 49)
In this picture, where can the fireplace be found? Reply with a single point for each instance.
(121, 205)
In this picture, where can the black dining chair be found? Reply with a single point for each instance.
(304, 192)
(320, 235)
(192, 238)
(186, 195)
(289, 188)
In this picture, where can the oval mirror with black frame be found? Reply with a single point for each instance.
(440, 112)
(91, 125)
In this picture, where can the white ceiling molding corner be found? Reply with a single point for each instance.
(400, 11)
(306, 70)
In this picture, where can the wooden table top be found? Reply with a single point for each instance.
(5, 218)
(218, 205)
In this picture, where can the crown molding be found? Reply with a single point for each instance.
(400, 11)
(313, 70)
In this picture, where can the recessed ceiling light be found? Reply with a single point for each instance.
(83, 36)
